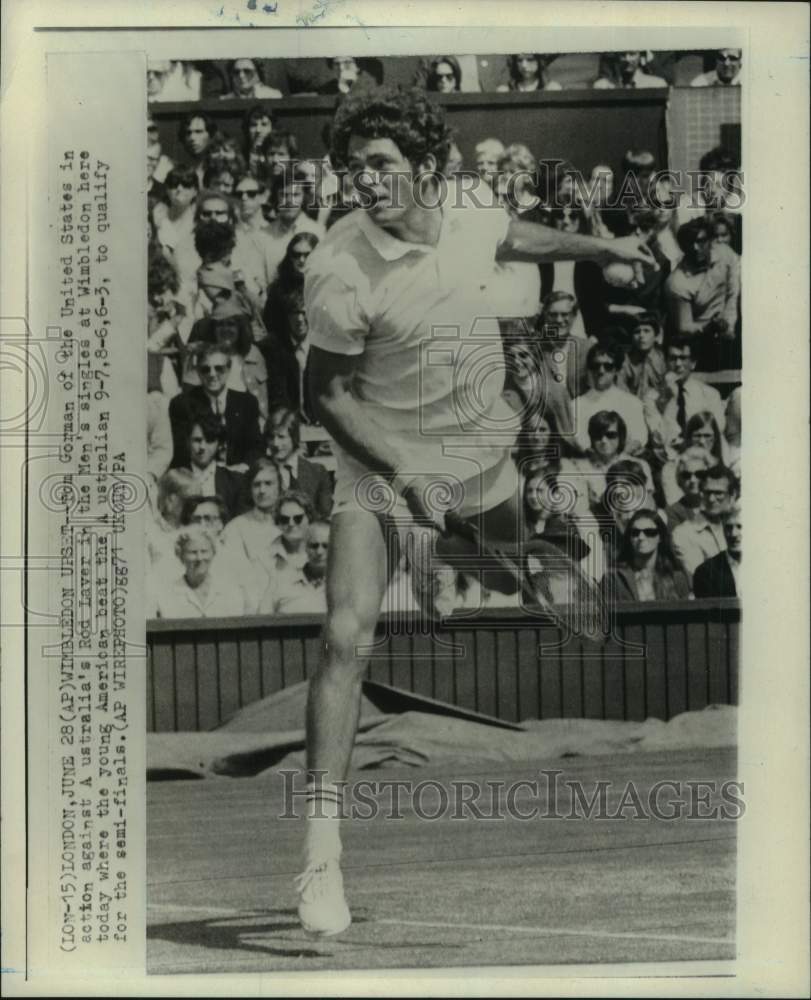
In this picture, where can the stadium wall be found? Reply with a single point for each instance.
(665, 659)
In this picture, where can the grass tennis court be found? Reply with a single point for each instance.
(445, 892)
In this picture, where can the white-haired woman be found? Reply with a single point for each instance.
(200, 592)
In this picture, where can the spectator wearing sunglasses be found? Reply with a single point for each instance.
(646, 569)
(175, 221)
(302, 591)
(245, 76)
(701, 432)
(727, 72)
(291, 220)
(238, 412)
(698, 539)
(691, 467)
(293, 514)
(586, 475)
(603, 363)
(444, 75)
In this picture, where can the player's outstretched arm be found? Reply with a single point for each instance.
(529, 241)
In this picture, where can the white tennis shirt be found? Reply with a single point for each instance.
(422, 322)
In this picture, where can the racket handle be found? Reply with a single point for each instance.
(456, 525)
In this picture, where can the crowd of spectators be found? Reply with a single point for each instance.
(630, 457)
(260, 79)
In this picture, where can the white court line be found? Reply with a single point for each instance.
(214, 911)
(220, 911)
(556, 931)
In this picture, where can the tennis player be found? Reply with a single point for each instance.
(407, 373)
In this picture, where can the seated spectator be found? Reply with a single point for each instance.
(294, 514)
(210, 513)
(282, 443)
(691, 467)
(175, 222)
(723, 230)
(701, 432)
(645, 569)
(352, 72)
(627, 490)
(516, 183)
(153, 141)
(223, 151)
(251, 196)
(206, 439)
(238, 412)
(703, 293)
(166, 501)
(644, 368)
(602, 364)
(196, 132)
(524, 386)
(245, 77)
(155, 190)
(683, 396)
(257, 125)
(168, 325)
(290, 221)
(720, 575)
(548, 516)
(727, 72)
(157, 72)
(538, 443)
(586, 475)
(279, 151)
(563, 360)
(528, 73)
(247, 255)
(444, 75)
(488, 153)
(202, 591)
(249, 536)
(302, 591)
(221, 178)
(698, 539)
(626, 70)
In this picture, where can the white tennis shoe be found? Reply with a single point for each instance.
(322, 907)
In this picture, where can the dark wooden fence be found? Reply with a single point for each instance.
(664, 659)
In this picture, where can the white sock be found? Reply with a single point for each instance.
(322, 839)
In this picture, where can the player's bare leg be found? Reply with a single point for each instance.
(357, 577)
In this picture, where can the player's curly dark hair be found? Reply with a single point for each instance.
(405, 116)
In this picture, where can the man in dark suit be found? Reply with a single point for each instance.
(206, 437)
(237, 412)
(282, 437)
(720, 576)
